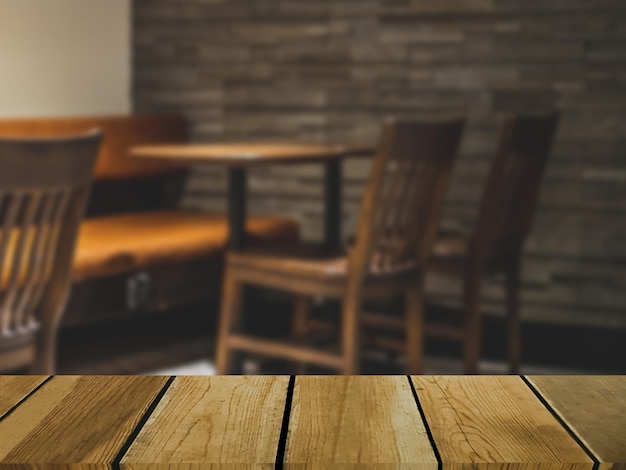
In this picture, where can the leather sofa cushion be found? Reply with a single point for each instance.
(119, 243)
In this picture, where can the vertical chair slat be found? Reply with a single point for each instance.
(415, 207)
(401, 182)
(36, 263)
(22, 260)
(20, 256)
(14, 202)
(405, 209)
(50, 252)
(431, 208)
(381, 217)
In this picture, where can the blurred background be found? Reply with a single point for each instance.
(330, 71)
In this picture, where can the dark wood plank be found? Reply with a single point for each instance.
(478, 420)
(79, 421)
(595, 409)
(14, 388)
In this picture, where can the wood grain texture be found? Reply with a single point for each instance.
(243, 154)
(594, 408)
(213, 421)
(357, 421)
(14, 388)
(341, 421)
(494, 420)
(78, 421)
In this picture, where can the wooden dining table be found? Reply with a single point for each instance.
(154, 422)
(239, 158)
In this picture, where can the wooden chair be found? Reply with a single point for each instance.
(398, 224)
(44, 185)
(504, 221)
(136, 248)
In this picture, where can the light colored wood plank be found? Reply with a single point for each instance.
(213, 420)
(78, 421)
(14, 388)
(357, 421)
(595, 409)
(495, 420)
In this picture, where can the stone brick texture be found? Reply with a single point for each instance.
(331, 70)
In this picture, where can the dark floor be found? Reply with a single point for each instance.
(152, 342)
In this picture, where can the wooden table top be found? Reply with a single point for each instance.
(133, 422)
(248, 154)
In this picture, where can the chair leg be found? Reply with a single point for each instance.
(301, 315)
(300, 326)
(350, 334)
(229, 313)
(45, 359)
(472, 333)
(514, 343)
(414, 312)
(45, 356)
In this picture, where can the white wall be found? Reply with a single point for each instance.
(64, 57)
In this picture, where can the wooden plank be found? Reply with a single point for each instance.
(356, 420)
(80, 421)
(595, 409)
(227, 420)
(495, 420)
(14, 388)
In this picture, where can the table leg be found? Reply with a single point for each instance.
(236, 208)
(332, 220)
(332, 206)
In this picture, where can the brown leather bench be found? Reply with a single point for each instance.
(136, 250)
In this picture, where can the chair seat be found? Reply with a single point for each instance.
(450, 247)
(451, 252)
(310, 269)
(126, 242)
(296, 260)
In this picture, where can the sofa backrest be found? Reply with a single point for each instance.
(120, 134)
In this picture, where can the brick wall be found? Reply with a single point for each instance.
(329, 70)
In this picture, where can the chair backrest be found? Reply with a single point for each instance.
(405, 195)
(510, 194)
(44, 185)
